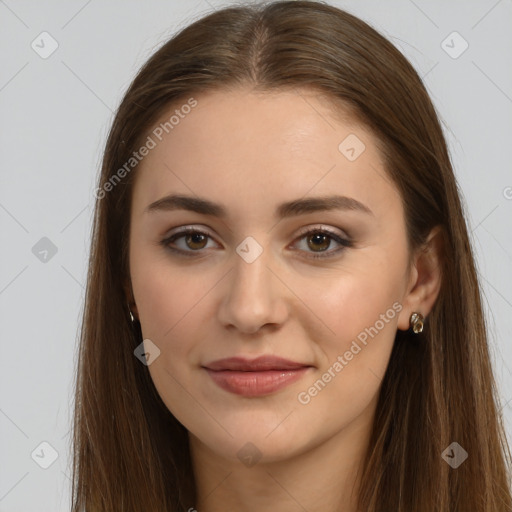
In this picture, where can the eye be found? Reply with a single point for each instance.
(193, 241)
(320, 239)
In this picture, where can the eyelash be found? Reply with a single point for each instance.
(319, 255)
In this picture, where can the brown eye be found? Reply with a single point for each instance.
(319, 241)
(196, 240)
(187, 242)
(192, 242)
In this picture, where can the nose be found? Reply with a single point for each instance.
(253, 296)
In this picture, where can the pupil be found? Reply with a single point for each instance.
(195, 238)
(318, 238)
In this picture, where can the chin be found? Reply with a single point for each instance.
(257, 440)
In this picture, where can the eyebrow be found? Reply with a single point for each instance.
(288, 209)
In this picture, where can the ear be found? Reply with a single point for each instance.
(425, 279)
(130, 300)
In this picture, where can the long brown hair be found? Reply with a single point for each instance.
(129, 452)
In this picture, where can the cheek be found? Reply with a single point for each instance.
(354, 301)
(360, 310)
(170, 306)
(165, 295)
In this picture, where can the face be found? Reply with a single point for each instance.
(268, 270)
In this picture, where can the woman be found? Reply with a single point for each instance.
(282, 308)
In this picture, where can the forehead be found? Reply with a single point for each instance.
(242, 147)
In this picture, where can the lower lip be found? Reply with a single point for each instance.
(255, 383)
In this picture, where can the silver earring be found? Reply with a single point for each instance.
(132, 318)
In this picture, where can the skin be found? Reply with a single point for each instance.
(251, 152)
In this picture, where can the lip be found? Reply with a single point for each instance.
(261, 363)
(257, 377)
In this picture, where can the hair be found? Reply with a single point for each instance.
(129, 451)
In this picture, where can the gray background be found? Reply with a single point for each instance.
(55, 113)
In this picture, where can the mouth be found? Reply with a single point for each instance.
(257, 377)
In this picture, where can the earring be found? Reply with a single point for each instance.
(416, 322)
(132, 318)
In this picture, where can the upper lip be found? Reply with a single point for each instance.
(262, 363)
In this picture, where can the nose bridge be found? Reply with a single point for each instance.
(252, 297)
(252, 275)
